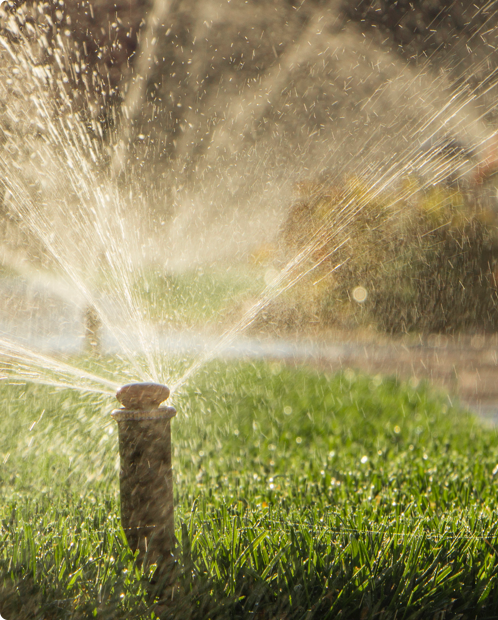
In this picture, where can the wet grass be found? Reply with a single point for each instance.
(298, 495)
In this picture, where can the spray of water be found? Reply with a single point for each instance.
(53, 185)
(30, 365)
(59, 182)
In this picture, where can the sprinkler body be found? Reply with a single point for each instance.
(146, 480)
(93, 328)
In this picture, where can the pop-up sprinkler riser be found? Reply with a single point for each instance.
(146, 480)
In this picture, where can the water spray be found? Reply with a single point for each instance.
(146, 478)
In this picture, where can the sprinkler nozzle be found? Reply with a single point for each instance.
(146, 479)
(144, 396)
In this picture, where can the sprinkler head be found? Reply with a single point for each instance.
(146, 477)
(142, 396)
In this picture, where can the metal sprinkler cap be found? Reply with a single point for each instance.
(142, 396)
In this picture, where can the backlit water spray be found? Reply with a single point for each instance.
(91, 226)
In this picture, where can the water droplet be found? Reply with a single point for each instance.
(349, 374)
(270, 276)
(360, 294)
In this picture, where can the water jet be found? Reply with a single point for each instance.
(146, 480)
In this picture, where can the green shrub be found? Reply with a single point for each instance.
(425, 263)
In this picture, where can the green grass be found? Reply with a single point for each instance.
(194, 297)
(298, 495)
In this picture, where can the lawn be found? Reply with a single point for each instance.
(298, 495)
(199, 296)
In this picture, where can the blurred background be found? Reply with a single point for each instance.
(317, 174)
